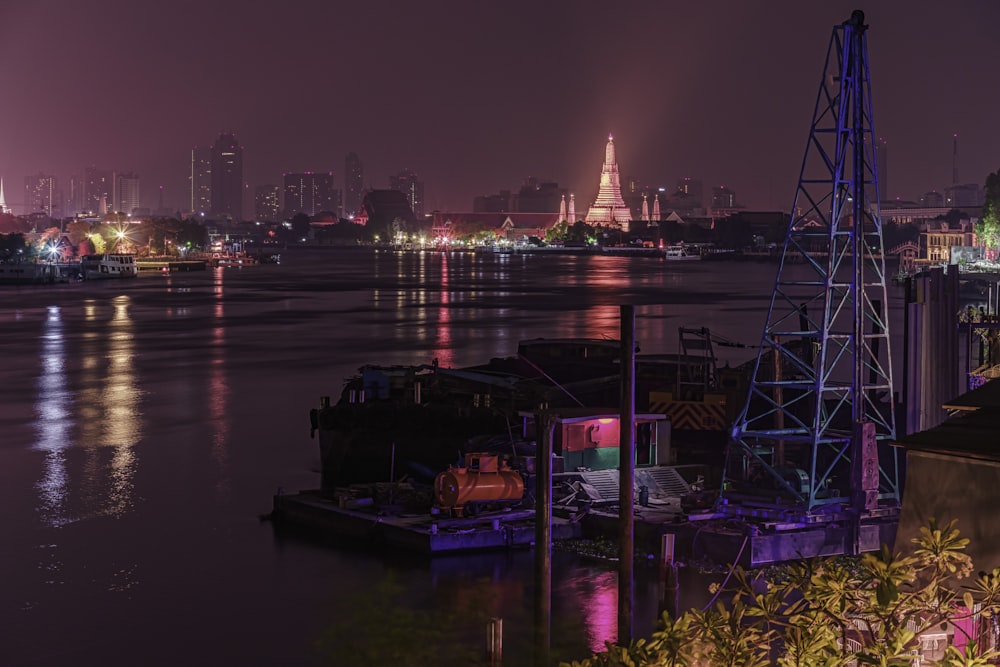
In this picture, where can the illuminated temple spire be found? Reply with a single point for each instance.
(645, 209)
(3, 202)
(562, 209)
(609, 207)
(656, 208)
(572, 207)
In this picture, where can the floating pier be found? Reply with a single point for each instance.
(362, 521)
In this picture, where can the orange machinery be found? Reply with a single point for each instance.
(484, 478)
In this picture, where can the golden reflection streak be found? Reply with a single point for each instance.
(218, 387)
(120, 403)
(444, 352)
(53, 414)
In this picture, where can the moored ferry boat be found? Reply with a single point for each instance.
(679, 253)
(108, 265)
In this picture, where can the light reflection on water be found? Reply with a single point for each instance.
(218, 385)
(99, 413)
(53, 420)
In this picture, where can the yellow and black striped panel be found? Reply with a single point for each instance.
(706, 415)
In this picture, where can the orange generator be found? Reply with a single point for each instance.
(484, 478)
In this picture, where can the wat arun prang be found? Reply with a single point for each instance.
(609, 207)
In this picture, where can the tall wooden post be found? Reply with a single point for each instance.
(543, 537)
(626, 477)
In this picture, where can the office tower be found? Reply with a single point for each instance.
(609, 207)
(723, 198)
(266, 203)
(882, 157)
(932, 199)
(126, 192)
(39, 193)
(354, 184)
(308, 193)
(690, 192)
(406, 181)
(201, 180)
(227, 178)
(98, 191)
(538, 196)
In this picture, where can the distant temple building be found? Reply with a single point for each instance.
(609, 207)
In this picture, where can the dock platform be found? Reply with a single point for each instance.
(424, 532)
(165, 264)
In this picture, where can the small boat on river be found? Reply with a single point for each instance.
(677, 253)
(108, 265)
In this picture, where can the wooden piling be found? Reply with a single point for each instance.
(543, 537)
(626, 516)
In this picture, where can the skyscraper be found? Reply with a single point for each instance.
(406, 181)
(39, 193)
(266, 203)
(882, 156)
(126, 192)
(609, 207)
(227, 177)
(309, 193)
(98, 191)
(201, 180)
(354, 184)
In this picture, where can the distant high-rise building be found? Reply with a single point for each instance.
(609, 207)
(537, 196)
(723, 198)
(266, 203)
(690, 191)
(126, 192)
(75, 193)
(498, 203)
(882, 157)
(227, 177)
(406, 181)
(40, 193)
(968, 195)
(98, 191)
(382, 209)
(309, 193)
(201, 180)
(954, 159)
(354, 184)
(932, 199)
(3, 202)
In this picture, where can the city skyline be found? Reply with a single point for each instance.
(719, 92)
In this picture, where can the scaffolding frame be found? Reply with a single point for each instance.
(812, 441)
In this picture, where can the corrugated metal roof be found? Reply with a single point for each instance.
(973, 433)
(986, 396)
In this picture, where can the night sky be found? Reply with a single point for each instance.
(476, 96)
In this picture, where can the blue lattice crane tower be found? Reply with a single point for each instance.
(811, 445)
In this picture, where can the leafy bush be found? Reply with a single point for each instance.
(829, 611)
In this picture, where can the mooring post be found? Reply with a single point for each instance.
(543, 536)
(669, 589)
(626, 476)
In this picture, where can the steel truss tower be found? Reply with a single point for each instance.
(811, 443)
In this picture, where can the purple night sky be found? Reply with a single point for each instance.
(476, 96)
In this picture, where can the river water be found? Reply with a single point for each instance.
(146, 424)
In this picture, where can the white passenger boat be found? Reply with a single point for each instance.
(679, 253)
(108, 265)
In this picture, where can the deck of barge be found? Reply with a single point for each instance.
(416, 532)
